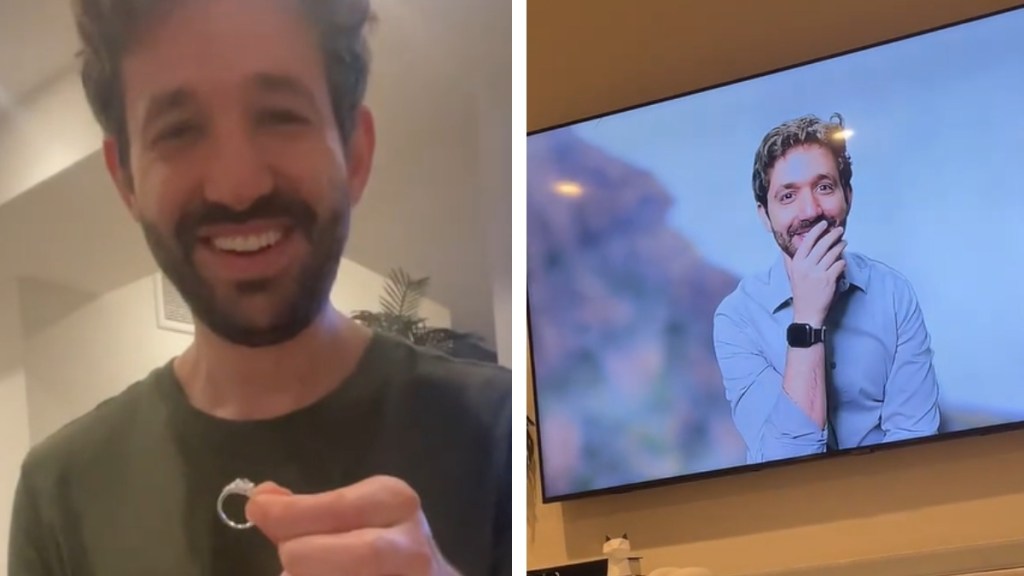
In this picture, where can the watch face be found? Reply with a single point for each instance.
(801, 336)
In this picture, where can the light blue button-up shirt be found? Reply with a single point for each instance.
(880, 382)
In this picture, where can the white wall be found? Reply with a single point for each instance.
(494, 150)
(28, 151)
(496, 165)
(14, 435)
(81, 349)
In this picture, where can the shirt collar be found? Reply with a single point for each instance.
(779, 293)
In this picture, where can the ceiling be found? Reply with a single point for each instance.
(587, 57)
(424, 205)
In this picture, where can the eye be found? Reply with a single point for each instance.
(282, 117)
(826, 187)
(177, 132)
(786, 197)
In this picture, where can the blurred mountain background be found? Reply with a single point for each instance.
(621, 308)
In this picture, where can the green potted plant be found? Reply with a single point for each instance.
(399, 315)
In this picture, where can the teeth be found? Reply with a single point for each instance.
(250, 243)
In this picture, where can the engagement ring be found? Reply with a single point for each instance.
(241, 487)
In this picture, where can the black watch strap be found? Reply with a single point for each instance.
(804, 335)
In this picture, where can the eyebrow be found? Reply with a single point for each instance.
(284, 85)
(179, 99)
(165, 103)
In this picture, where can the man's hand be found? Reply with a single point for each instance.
(373, 528)
(813, 273)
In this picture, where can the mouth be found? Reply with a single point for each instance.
(247, 244)
(249, 251)
(803, 233)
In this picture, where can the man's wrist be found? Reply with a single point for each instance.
(802, 335)
(814, 320)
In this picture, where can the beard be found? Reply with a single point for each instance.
(296, 300)
(785, 238)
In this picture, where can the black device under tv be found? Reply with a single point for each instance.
(583, 190)
(586, 568)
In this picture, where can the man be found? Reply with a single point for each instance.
(237, 137)
(827, 349)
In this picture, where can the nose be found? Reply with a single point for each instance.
(237, 173)
(810, 207)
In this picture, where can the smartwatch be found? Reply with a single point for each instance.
(804, 335)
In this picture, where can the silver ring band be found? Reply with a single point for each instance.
(241, 487)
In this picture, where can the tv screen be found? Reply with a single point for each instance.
(815, 261)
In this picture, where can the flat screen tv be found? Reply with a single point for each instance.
(821, 260)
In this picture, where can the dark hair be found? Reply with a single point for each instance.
(800, 132)
(107, 29)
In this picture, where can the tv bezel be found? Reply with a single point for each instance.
(743, 469)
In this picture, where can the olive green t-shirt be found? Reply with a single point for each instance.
(130, 488)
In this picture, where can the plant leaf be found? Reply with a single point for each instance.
(391, 297)
(415, 292)
(403, 294)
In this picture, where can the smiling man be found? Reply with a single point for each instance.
(237, 137)
(827, 349)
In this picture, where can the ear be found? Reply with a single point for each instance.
(120, 176)
(849, 200)
(359, 154)
(607, 538)
(762, 214)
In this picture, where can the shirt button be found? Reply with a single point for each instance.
(833, 365)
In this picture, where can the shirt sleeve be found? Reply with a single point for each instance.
(32, 550)
(771, 424)
(910, 408)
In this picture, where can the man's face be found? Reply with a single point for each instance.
(803, 190)
(238, 174)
